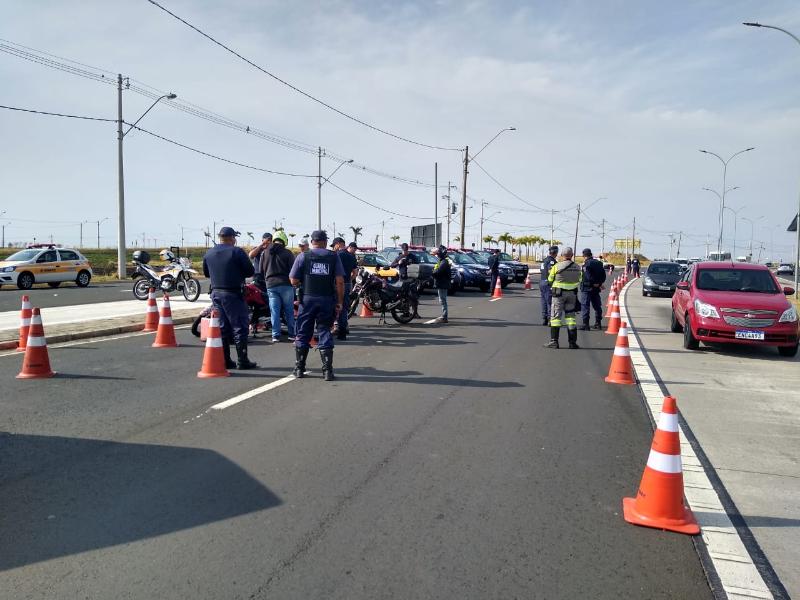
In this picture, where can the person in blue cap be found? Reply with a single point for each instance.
(227, 266)
(321, 274)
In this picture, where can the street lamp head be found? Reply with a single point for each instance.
(512, 128)
(350, 161)
(752, 24)
(748, 149)
(171, 96)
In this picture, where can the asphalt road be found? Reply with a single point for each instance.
(67, 294)
(455, 461)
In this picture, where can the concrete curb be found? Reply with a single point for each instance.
(92, 333)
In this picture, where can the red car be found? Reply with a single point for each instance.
(734, 303)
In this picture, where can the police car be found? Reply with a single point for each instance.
(49, 264)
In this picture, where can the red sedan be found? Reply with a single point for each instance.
(734, 303)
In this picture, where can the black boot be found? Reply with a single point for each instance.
(598, 325)
(243, 362)
(572, 336)
(585, 326)
(300, 355)
(326, 354)
(545, 322)
(341, 334)
(554, 331)
(226, 351)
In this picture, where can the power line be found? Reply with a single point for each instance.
(54, 114)
(297, 89)
(489, 175)
(386, 210)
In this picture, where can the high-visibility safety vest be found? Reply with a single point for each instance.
(566, 275)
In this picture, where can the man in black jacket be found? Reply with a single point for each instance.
(277, 261)
(494, 268)
(441, 281)
(404, 259)
(594, 275)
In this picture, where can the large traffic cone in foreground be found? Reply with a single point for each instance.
(365, 311)
(614, 320)
(528, 282)
(213, 357)
(621, 370)
(659, 501)
(612, 295)
(36, 363)
(165, 336)
(498, 290)
(24, 323)
(151, 315)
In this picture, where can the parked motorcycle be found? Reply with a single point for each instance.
(257, 307)
(177, 275)
(380, 296)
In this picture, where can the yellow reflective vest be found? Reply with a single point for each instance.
(566, 275)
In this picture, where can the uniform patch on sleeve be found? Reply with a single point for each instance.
(320, 268)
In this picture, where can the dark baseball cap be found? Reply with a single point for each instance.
(266, 236)
(553, 249)
(404, 246)
(337, 240)
(352, 245)
(587, 252)
(228, 232)
(319, 236)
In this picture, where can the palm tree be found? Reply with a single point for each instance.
(394, 238)
(291, 237)
(250, 235)
(356, 232)
(505, 238)
(488, 239)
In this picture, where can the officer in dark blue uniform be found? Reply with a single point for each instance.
(544, 284)
(228, 266)
(594, 275)
(321, 274)
(350, 264)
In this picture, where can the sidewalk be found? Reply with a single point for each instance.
(743, 406)
(65, 323)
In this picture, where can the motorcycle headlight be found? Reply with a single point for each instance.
(789, 315)
(649, 281)
(8, 269)
(359, 278)
(705, 310)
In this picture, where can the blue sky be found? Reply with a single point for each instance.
(610, 99)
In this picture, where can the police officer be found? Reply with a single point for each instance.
(350, 264)
(564, 278)
(594, 275)
(635, 267)
(544, 284)
(321, 274)
(441, 281)
(404, 259)
(494, 268)
(303, 244)
(228, 266)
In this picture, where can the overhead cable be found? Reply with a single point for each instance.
(55, 114)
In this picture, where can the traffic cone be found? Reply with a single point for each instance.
(527, 282)
(659, 501)
(614, 320)
(498, 290)
(612, 295)
(165, 336)
(621, 369)
(365, 311)
(24, 323)
(36, 363)
(213, 356)
(151, 315)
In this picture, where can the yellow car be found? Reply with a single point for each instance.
(47, 264)
(376, 263)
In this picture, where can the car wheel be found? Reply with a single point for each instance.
(503, 285)
(83, 279)
(674, 326)
(54, 284)
(25, 281)
(644, 293)
(484, 287)
(689, 341)
(787, 350)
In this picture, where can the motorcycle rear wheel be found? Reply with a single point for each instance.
(141, 288)
(403, 314)
(191, 289)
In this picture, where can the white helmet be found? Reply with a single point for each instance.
(166, 255)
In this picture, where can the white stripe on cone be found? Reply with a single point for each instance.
(665, 463)
(622, 351)
(36, 341)
(165, 320)
(668, 422)
(214, 342)
(152, 308)
(623, 332)
(25, 322)
(213, 322)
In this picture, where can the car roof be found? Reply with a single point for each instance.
(716, 264)
(664, 262)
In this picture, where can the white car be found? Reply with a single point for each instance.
(45, 264)
(785, 269)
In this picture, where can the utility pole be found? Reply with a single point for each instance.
(98, 234)
(4, 236)
(436, 239)
(80, 245)
(575, 245)
(383, 224)
(464, 197)
(603, 236)
(319, 188)
(121, 259)
(633, 239)
(552, 216)
(680, 236)
(706, 246)
(483, 203)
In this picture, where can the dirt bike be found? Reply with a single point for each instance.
(177, 275)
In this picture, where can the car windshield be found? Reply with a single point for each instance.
(504, 256)
(24, 255)
(423, 257)
(481, 258)
(664, 269)
(736, 280)
(463, 259)
(381, 261)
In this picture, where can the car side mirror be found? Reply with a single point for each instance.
(788, 291)
(682, 285)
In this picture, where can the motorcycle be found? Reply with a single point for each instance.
(257, 307)
(177, 275)
(401, 298)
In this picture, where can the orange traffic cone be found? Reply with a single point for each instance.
(612, 295)
(527, 282)
(365, 311)
(24, 323)
(151, 316)
(213, 357)
(498, 290)
(621, 370)
(614, 320)
(36, 363)
(165, 336)
(659, 501)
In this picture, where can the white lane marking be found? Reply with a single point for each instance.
(255, 392)
(735, 568)
(495, 299)
(431, 322)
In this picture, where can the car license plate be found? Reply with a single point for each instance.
(665, 288)
(744, 334)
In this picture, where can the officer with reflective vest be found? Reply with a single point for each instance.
(321, 274)
(544, 284)
(565, 278)
(227, 266)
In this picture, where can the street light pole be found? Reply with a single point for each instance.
(320, 183)
(98, 229)
(724, 183)
(752, 228)
(797, 222)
